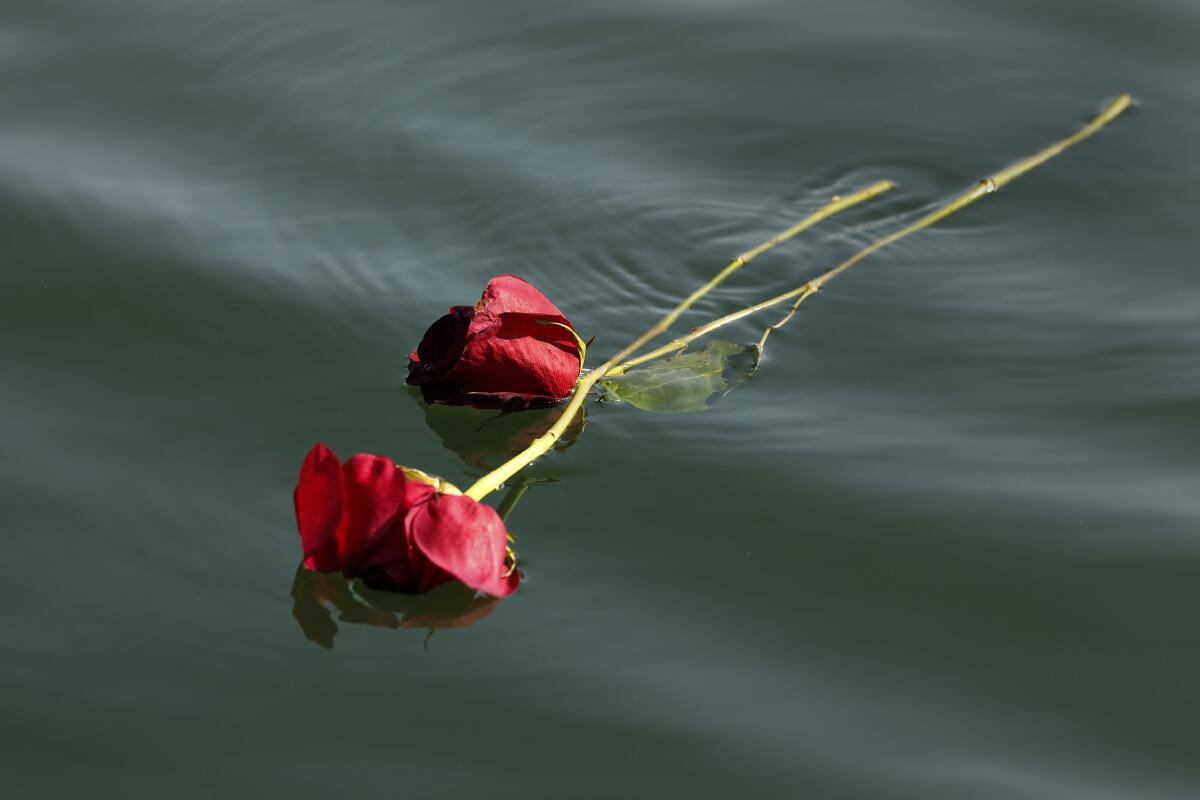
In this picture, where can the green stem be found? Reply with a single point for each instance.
(540, 446)
(804, 291)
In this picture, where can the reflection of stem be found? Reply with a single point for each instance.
(540, 446)
(515, 492)
(984, 187)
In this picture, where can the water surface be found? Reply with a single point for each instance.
(942, 545)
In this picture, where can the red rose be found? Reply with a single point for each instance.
(498, 353)
(397, 528)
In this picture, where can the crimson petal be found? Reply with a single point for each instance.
(507, 294)
(515, 353)
(377, 498)
(465, 538)
(319, 501)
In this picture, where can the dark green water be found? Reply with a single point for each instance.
(945, 544)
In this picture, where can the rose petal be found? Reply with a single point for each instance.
(319, 501)
(377, 498)
(508, 293)
(440, 347)
(466, 539)
(386, 561)
(516, 354)
(428, 575)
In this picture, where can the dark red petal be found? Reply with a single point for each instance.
(319, 503)
(440, 347)
(429, 575)
(509, 294)
(385, 562)
(466, 539)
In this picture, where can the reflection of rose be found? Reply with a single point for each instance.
(451, 605)
(501, 352)
(396, 528)
(486, 439)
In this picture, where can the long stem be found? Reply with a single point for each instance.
(806, 290)
(540, 446)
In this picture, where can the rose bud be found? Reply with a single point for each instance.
(513, 349)
(398, 528)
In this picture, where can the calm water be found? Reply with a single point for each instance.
(945, 544)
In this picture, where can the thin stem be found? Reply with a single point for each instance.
(762, 340)
(827, 210)
(540, 446)
(984, 187)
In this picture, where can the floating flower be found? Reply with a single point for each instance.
(514, 349)
(398, 528)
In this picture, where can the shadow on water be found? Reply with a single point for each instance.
(486, 438)
(451, 605)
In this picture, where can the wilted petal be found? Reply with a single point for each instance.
(507, 294)
(441, 346)
(466, 539)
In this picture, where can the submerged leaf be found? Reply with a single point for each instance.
(687, 382)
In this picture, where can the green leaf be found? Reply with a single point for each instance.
(687, 382)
